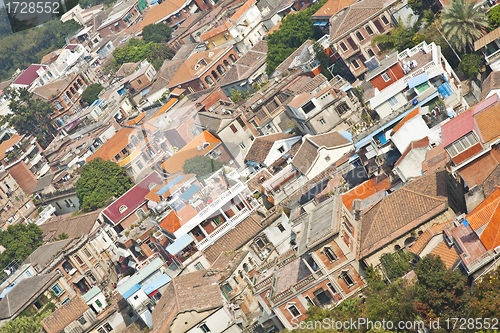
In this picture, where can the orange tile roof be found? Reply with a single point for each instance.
(273, 29)
(485, 212)
(160, 12)
(166, 107)
(242, 10)
(178, 91)
(189, 71)
(366, 190)
(331, 7)
(448, 254)
(176, 162)
(114, 145)
(8, 143)
(488, 122)
(174, 220)
(405, 119)
(152, 196)
(137, 119)
(216, 31)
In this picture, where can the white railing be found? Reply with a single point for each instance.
(207, 210)
(146, 261)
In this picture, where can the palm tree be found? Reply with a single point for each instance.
(463, 24)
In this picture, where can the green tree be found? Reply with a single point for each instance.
(323, 58)
(396, 264)
(25, 324)
(463, 24)
(20, 241)
(485, 302)
(237, 95)
(90, 94)
(440, 292)
(137, 50)
(100, 180)
(470, 65)
(28, 47)
(494, 17)
(156, 33)
(295, 29)
(202, 166)
(399, 38)
(29, 116)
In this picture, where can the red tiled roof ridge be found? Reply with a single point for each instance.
(424, 195)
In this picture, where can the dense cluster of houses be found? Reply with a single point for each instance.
(320, 178)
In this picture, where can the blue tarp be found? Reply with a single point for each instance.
(145, 92)
(465, 222)
(347, 88)
(170, 184)
(190, 192)
(419, 79)
(382, 138)
(156, 284)
(321, 23)
(347, 135)
(353, 158)
(179, 244)
(131, 291)
(445, 90)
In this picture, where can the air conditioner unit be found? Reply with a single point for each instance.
(139, 241)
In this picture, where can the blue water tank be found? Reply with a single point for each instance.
(415, 101)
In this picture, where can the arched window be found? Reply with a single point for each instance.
(226, 64)
(209, 80)
(214, 74)
(232, 58)
(122, 208)
(245, 267)
(150, 187)
(221, 70)
(370, 53)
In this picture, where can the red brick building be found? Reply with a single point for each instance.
(119, 21)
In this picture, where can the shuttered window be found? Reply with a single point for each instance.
(379, 26)
(351, 42)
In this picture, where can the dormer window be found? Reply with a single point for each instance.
(150, 187)
(122, 208)
(205, 145)
(462, 144)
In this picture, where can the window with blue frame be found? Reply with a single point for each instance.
(57, 289)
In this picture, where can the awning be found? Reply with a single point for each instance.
(353, 158)
(190, 192)
(419, 79)
(347, 88)
(84, 31)
(156, 284)
(131, 291)
(347, 135)
(78, 278)
(145, 92)
(179, 244)
(170, 185)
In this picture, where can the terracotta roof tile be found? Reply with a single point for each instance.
(176, 162)
(288, 61)
(424, 142)
(331, 7)
(490, 83)
(421, 242)
(448, 254)
(114, 145)
(254, 183)
(487, 215)
(488, 122)
(261, 146)
(72, 226)
(405, 119)
(233, 239)
(65, 315)
(403, 210)
(174, 220)
(366, 189)
(160, 12)
(224, 26)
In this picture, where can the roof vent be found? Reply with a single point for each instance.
(199, 148)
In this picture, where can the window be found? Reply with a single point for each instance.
(108, 327)
(462, 144)
(370, 53)
(242, 145)
(140, 213)
(139, 165)
(308, 107)
(369, 30)
(281, 228)
(82, 321)
(359, 36)
(58, 105)
(322, 121)
(91, 276)
(110, 29)
(227, 287)
(87, 253)
(386, 76)
(260, 243)
(65, 301)
(309, 300)
(384, 19)
(347, 278)
(343, 46)
(281, 150)
(330, 254)
(79, 260)
(122, 208)
(139, 81)
(57, 290)
(204, 328)
(233, 128)
(327, 158)
(332, 288)
(342, 108)
(355, 63)
(98, 303)
(393, 101)
(322, 296)
(136, 297)
(294, 311)
(198, 266)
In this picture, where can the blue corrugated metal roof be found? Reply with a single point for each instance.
(131, 291)
(156, 284)
(91, 294)
(140, 276)
(170, 184)
(190, 192)
(145, 92)
(347, 135)
(179, 244)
